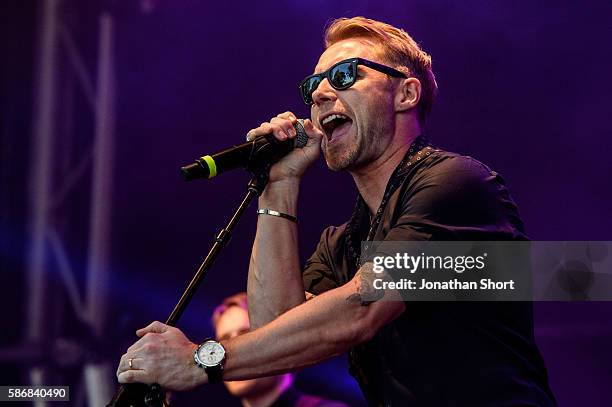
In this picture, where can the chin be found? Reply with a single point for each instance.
(250, 388)
(345, 155)
(340, 160)
(241, 388)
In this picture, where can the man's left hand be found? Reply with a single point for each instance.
(162, 355)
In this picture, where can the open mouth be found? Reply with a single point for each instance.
(335, 125)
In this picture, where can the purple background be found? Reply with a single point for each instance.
(524, 87)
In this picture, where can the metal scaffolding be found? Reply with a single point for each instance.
(50, 183)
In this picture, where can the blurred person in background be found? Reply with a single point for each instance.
(231, 319)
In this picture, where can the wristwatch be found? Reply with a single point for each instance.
(210, 356)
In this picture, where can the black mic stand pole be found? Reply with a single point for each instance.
(144, 395)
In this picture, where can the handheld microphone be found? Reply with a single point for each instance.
(262, 150)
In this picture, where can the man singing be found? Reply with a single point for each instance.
(370, 94)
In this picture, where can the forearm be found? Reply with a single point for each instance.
(303, 336)
(323, 327)
(275, 281)
(311, 332)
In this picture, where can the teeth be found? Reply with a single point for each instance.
(332, 117)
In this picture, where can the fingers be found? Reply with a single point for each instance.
(135, 376)
(284, 125)
(288, 116)
(264, 128)
(281, 126)
(314, 134)
(309, 127)
(154, 327)
(124, 363)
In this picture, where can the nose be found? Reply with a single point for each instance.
(323, 93)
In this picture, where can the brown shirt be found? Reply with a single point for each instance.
(438, 354)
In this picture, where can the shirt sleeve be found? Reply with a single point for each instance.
(318, 275)
(457, 199)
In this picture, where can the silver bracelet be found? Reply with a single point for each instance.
(272, 212)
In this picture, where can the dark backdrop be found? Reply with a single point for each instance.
(524, 87)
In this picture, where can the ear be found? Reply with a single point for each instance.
(407, 94)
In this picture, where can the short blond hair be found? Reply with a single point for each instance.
(397, 48)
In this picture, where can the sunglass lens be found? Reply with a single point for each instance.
(342, 75)
(308, 87)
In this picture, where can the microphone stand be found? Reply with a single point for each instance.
(145, 395)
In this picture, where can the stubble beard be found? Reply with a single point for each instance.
(358, 152)
(346, 157)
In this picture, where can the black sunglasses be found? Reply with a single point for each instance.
(341, 75)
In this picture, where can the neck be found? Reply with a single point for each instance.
(267, 398)
(371, 180)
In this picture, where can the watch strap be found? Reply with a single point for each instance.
(214, 373)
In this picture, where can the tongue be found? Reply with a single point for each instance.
(340, 130)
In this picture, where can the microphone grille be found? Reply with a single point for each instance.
(301, 138)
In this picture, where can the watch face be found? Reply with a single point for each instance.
(211, 353)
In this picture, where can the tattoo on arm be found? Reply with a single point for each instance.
(365, 293)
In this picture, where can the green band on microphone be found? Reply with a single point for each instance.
(212, 167)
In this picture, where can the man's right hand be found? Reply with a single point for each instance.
(293, 165)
